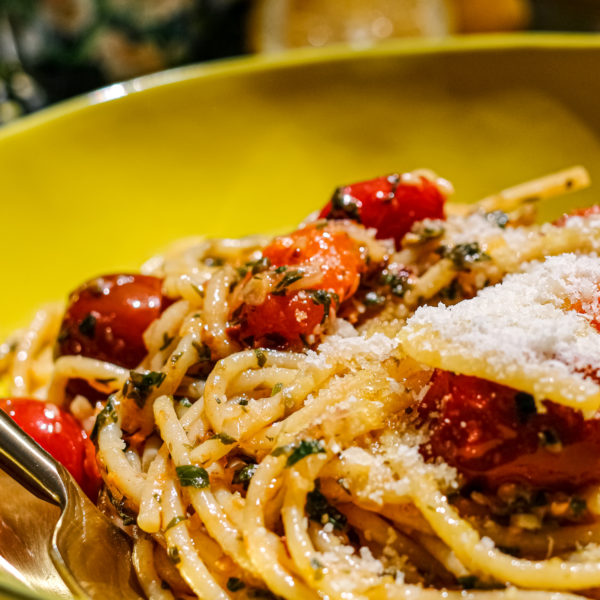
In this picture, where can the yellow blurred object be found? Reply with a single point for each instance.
(495, 15)
(280, 24)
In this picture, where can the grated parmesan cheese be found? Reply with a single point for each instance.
(522, 332)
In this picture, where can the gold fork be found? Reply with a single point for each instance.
(91, 555)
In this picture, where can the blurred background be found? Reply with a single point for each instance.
(53, 49)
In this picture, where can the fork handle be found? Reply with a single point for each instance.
(26, 461)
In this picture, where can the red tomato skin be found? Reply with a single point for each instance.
(388, 205)
(107, 316)
(61, 435)
(287, 320)
(588, 211)
(475, 426)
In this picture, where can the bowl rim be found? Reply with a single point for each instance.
(300, 57)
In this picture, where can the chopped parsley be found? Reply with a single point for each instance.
(175, 521)
(297, 452)
(398, 282)
(192, 476)
(107, 415)
(139, 385)
(184, 401)
(254, 266)
(261, 358)
(87, 326)
(276, 388)
(167, 339)
(173, 554)
(318, 509)
(323, 298)
(344, 206)
(290, 276)
(235, 585)
(203, 351)
(463, 256)
(127, 516)
(225, 439)
(244, 475)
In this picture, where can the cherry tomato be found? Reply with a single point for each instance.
(588, 211)
(387, 204)
(493, 435)
(288, 318)
(107, 316)
(61, 435)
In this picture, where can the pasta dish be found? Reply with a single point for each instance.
(397, 400)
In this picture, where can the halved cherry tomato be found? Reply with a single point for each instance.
(493, 435)
(588, 211)
(60, 434)
(387, 204)
(107, 316)
(288, 318)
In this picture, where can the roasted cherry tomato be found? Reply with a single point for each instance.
(288, 318)
(388, 204)
(493, 435)
(107, 316)
(61, 435)
(588, 211)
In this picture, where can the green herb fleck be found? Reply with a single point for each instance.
(176, 357)
(244, 475)
(192, 476)
(463, 256)
(184, 401)
(290, 276)
(198, 290)
(235, 585)
(128, 517)
(139, 385)
(374, 299)
(107, 415)
(318, 509)
(87, 326)
(467, 582)
(167, 339)
(203, 351)
(260, 357)
(344, 206)
(173, 554)
(175, 521)
(324, 298)
(281, 269)
(243, 402)
(300, 451)
(318, 567)
(398, 282)
(225, 439)
(276, 388)
(525, 405)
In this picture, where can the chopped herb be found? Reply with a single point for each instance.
(291, 276)
(254, 266)
(235, 585)
(198, 290)
(497, 217)
(218, 400)
(317, 566)
(281, 269)
(276, 388)
(324, 298)
(176, 357)
(175, 521)
(452, 291)
(243, 402)
(173, 554)
(344, 206)
(139, 385)
(184, 401)
(577, 506)
(203, 351)
(430, 232)
(374, 299)
(463, 256)
(107, 415)
(318, 509)
(105, 381)
(260, 357)
(214, 261)
(225, 439)
(167, 339)
(192, 476)
(87, 326)
(128, 517)
(525, 405)
(300, 451)
(398, 282)
(244, 475)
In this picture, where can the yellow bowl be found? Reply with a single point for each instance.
(99, 183)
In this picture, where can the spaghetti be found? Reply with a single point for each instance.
(345, 411)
